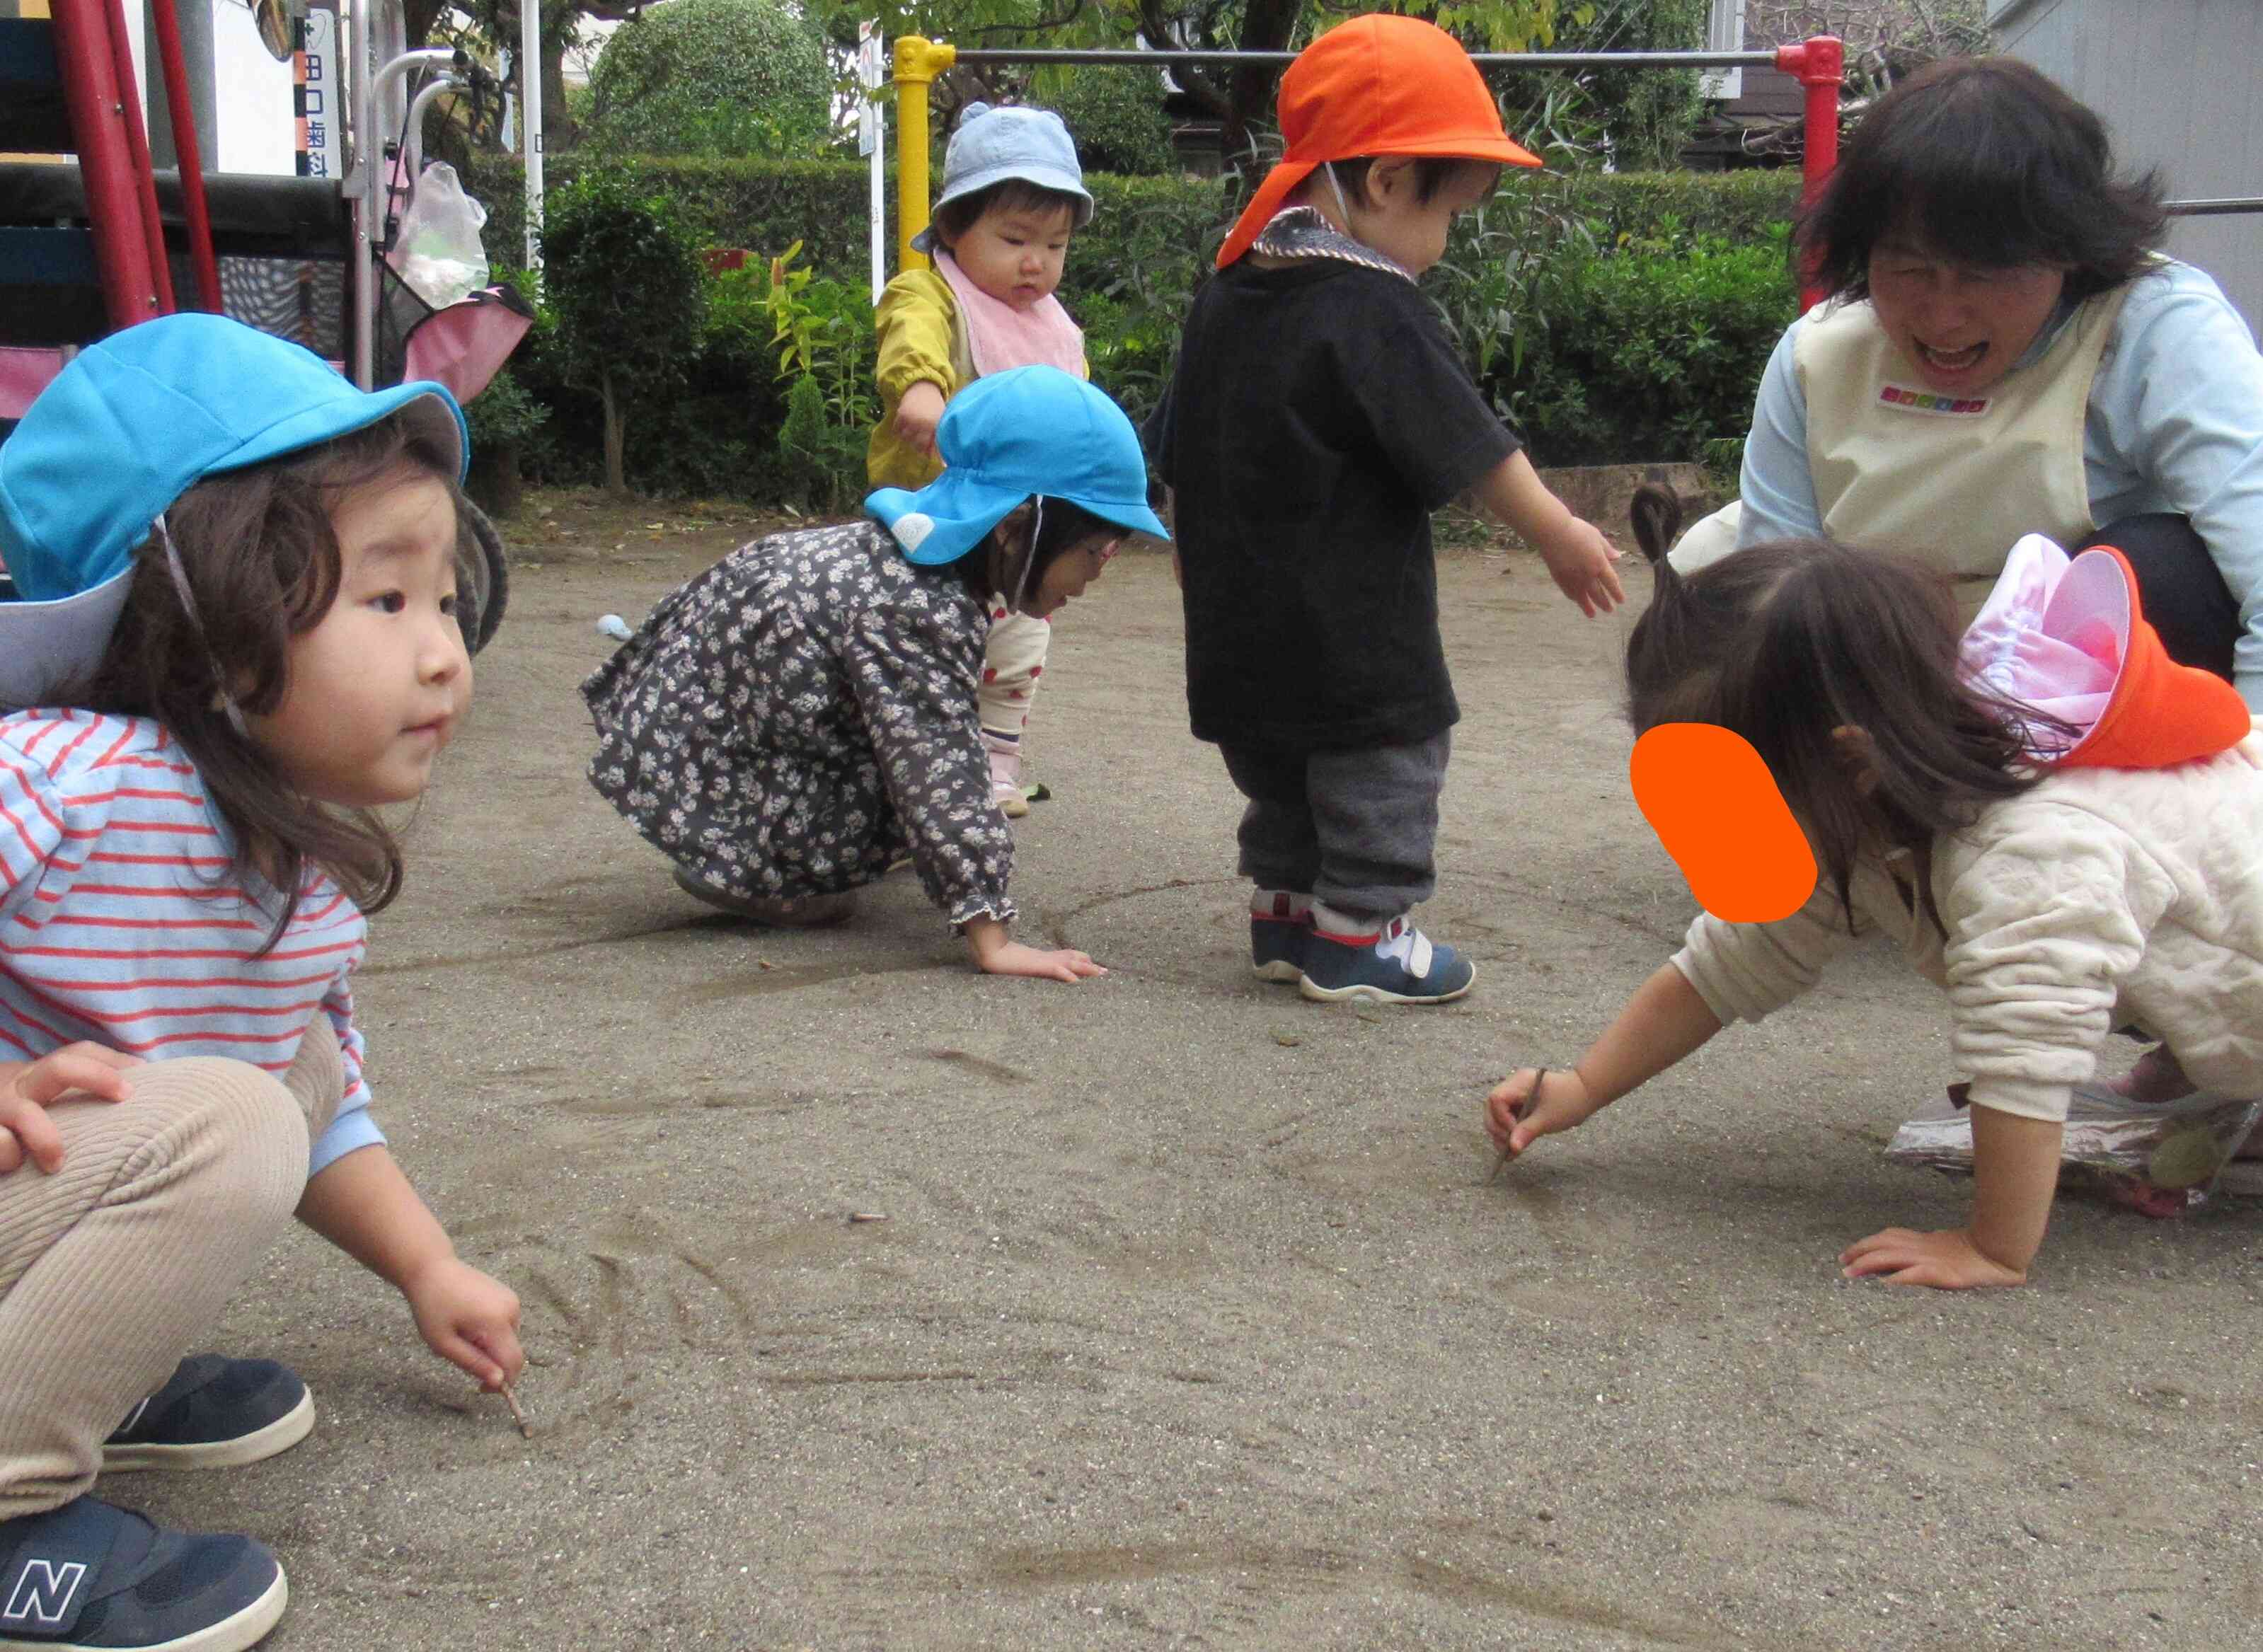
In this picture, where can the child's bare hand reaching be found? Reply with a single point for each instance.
(1531, 1103)
(1946, 1260)
(29, 1088)
(1580, 560)
(918, 414)
(468, 1319)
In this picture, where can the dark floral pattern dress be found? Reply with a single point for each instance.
(800, 716)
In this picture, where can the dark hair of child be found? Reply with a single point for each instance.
(263, 564)
(1432, 173)
(986, 572)
(1785, 643)
(954, 218)
(1987, 163)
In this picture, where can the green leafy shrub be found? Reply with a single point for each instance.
(625, 290)
(1560, 341)
(1116, 119)
(716, 77)
(1651, 349)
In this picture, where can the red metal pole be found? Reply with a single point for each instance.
(137, 155)
(100, 117)
(1819, 66)
(166, 23)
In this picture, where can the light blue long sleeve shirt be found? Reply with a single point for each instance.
(2175, 424)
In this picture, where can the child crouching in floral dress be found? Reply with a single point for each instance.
(796, 720)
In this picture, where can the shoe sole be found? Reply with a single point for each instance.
(279, 1436)
(232, 1633)
(1320, 994)
(1280, 970)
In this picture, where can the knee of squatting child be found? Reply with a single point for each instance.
(1919, 794)
(249, 619)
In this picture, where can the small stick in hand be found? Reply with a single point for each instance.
(525, 1428)
(1531, 1096)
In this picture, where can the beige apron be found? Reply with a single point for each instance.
(1953, 481)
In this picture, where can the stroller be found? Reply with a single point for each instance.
(91, 248)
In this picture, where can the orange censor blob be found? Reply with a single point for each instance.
(1710, 797)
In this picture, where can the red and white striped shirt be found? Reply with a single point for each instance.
(122, 923)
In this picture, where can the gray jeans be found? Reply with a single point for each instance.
(1353, 829)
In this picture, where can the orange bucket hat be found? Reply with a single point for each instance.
(1376, 85)
(2068, 637)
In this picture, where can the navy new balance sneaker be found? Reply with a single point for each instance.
(1396, 964)
(214, 1413)
(93, 1577)
(1278, 936)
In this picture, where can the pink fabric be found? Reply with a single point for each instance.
(999, 336)
(464, 345)
(24, 373)
(2053, 634)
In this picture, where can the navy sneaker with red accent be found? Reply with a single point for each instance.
(212, 1413)
(90, 1577)
(1280, 924)
(1396, 963)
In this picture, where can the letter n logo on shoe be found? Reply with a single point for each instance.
(42, 1594)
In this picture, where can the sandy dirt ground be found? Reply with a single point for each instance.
(1193, 1322)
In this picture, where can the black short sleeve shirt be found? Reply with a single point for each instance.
(1317, 416)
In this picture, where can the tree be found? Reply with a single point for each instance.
(712, 77)
(627, 294)
(1885, 38)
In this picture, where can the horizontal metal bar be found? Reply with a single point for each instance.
(2220, 207)
(1282, 60)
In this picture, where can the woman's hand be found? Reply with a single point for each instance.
(29, 1088)
(468, 1319)
(1530, 1104)
(1948, 1260)
(918, 414)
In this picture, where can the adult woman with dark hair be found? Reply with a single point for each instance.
(801, 716)
(2005, 353)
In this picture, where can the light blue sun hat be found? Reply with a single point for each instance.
(1029, 430)
(128, 426)
(992, 145)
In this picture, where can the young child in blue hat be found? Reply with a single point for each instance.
(806, 713)
(1012, 195)
(231, 634)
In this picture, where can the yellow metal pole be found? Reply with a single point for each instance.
(918, 61)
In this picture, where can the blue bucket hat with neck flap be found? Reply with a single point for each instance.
(128, 426)
(1028, 431)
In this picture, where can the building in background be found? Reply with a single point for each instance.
(2175, 80)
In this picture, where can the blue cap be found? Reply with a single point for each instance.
(1006, 437)
(992, 145)
(128, 426)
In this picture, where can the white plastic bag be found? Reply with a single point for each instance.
(437, 250)
(2159, 1158)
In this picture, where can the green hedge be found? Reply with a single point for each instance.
(1611, 315)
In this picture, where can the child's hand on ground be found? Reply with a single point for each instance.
(468, 1319)
(918, 414)
(1580, 557)
(1947, 1261)
(1014, 958)
(29, 1088)
(1516, 1117)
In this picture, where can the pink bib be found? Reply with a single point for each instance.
(999, 336)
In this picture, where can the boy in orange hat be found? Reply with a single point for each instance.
(1317, 416)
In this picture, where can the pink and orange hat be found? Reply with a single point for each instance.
(1376, 85)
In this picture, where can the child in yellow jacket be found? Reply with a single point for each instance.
(1012, 195)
